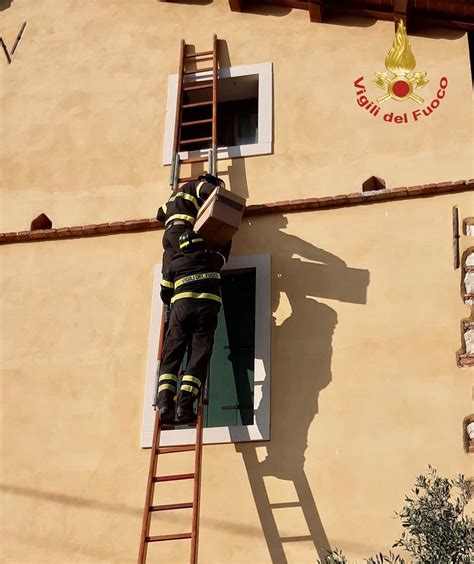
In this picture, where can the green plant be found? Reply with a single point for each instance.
(436, 530)
(337, 557)
(381, 558)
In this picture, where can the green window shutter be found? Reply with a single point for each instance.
(232, 363)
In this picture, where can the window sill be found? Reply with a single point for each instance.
(234, 152)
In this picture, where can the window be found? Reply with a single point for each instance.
(239, 391)
(244, 114)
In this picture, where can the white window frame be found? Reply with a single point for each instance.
(260, 429)
(264, 146)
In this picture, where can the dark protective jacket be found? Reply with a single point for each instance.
(186, 202)
(195, 275)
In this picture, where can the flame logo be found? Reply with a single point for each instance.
(400, 61)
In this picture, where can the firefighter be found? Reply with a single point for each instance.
(195, 300)
(179, 214)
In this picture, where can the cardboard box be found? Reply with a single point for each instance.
(220, 217)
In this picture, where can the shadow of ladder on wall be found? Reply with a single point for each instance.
(266, 509)
(182, 140)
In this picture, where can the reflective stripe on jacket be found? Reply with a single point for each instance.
(185, 203)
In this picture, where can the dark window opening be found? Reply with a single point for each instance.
(237, 114)
(237, 122)
(231, 383)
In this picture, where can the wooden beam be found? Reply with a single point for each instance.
(357, 12)
(315, 8)
(296, 4)
(458, 16)
(447, 23)
(400, 13)
(236, 5)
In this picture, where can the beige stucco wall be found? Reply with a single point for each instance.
(364, 395)
(83, 106)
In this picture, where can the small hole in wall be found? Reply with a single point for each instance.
(373, 183)
(41, 222)
(468, 226)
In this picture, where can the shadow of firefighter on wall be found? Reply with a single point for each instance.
(301, 368)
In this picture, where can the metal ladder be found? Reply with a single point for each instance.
(153, 479)
(180, 142)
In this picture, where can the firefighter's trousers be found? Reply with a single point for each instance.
(193, 321)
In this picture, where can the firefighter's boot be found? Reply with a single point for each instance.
(185, 413)
(166, 407)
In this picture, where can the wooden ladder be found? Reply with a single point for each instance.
(180, 142)
(149, 508)
(153, 479)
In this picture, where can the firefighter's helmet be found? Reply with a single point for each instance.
(190, 242)
(214, 180)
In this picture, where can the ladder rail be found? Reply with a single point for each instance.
(179, 102)
(197, 487)
(150, 489)
(176, 166)
(214, 106)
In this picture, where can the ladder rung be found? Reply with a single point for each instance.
(197, 122)
(173, 477)
(167, 450)
(187, 179)
(197, 87)
(197, 104)
(194, 160)
(199, 70)
(171, 506)
(169, 537)
(189, 141)
(202, 53)
(200, 60)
